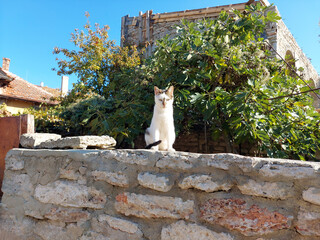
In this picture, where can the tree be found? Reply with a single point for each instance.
(96, 59)
(225, 78)
(224, 75)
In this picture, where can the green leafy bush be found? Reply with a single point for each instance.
(224, 76)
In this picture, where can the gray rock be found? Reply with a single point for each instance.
(33, 140)
(158, 182)
(17, 185)
(204, 183)
(182, 231)
(308, 223)
(288, 170)
(179, 160)
(151, 206)
(117, 228)
(90, 235)
(80, 142)
(138, 157)
(67, 215)
(312, 195)
(114, 178)
(14, 163)
(70, 194)
(275, 190)
(50, 231)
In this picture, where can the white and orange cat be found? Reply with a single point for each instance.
(161, 134)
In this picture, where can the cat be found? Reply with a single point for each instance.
(161, 133)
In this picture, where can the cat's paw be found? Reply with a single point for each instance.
(155, 148)
(171, 150)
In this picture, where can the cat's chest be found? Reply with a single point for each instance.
(162, 118)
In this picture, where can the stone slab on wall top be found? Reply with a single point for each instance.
(55, 141)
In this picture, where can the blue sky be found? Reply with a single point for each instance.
(31, 29)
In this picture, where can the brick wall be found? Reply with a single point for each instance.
(140, 194)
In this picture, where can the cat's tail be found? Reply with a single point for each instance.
(153, 144)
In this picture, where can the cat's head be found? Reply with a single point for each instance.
(163, 98)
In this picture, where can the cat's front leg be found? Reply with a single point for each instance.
(156, 137)
(171, 139)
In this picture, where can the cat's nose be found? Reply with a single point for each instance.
(164, 104)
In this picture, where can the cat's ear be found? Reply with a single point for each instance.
(156, 90)
(170, 92)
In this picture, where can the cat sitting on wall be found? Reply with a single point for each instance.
(161, 135)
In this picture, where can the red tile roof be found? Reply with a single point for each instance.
(20, 89)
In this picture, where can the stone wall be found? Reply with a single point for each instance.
(141, 194)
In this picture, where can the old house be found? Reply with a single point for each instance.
(19, 94)
(148, 27)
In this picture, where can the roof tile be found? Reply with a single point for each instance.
(21, 89)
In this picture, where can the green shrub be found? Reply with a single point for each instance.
(224, 76)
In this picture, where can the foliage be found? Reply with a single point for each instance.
(47, 119)
(97, 104)
(95, 60)
(3, 111)
(225, 77)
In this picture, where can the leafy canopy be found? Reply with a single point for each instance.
(225, 79)
(95, 59)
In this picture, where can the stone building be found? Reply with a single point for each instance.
(148, 27)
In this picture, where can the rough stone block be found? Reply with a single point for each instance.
(69, 174)
(226, 160)
(72, 174)
(274, 190)
(80, 142)
(179, 160)
(17, 185)
(67, 215)
(290, 170)
(150, 206)
(69, 194)
(13, 163)
(35, 209)
(235, 214)
(308, 223)
(158, 182)
(48, 231)
(182, 231)
(12, 228)
(312, 195)
(93, 236)
(33, 140)
(138, 157)
(117, 228)
(114, 178)
(204, 183)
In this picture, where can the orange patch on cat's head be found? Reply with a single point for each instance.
(168, 92)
